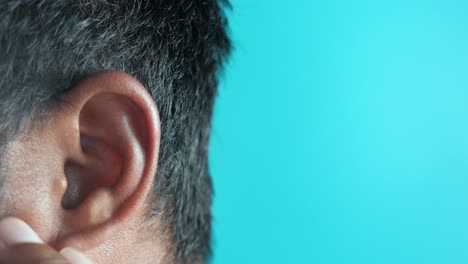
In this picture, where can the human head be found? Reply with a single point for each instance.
(68, 69)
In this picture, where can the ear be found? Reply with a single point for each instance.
(107, 130)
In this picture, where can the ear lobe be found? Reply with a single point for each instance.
(111, 159)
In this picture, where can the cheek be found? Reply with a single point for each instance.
(32, 203)
(33, 190)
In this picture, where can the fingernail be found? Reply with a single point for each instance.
(74, 256)
(15, 231)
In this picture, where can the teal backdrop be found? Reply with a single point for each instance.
(341, 134)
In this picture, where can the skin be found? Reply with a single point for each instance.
(81, 178)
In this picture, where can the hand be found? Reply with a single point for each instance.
(20, 244)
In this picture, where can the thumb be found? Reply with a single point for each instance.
(25, 246)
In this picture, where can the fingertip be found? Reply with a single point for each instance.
(74, 256)
(15, 231)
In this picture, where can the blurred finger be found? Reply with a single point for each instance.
(15, 231)
(74, 256)
(31, 253)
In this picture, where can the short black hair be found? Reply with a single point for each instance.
(175, 48)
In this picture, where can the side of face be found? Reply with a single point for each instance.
(82, 176)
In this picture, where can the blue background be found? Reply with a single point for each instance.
(341, 133)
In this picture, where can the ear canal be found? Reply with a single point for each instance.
(100, 169)
(75, 191)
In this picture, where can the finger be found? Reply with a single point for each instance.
(15, 231)
(74, 256)
(31, 253)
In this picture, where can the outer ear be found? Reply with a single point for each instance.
(109, 132)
